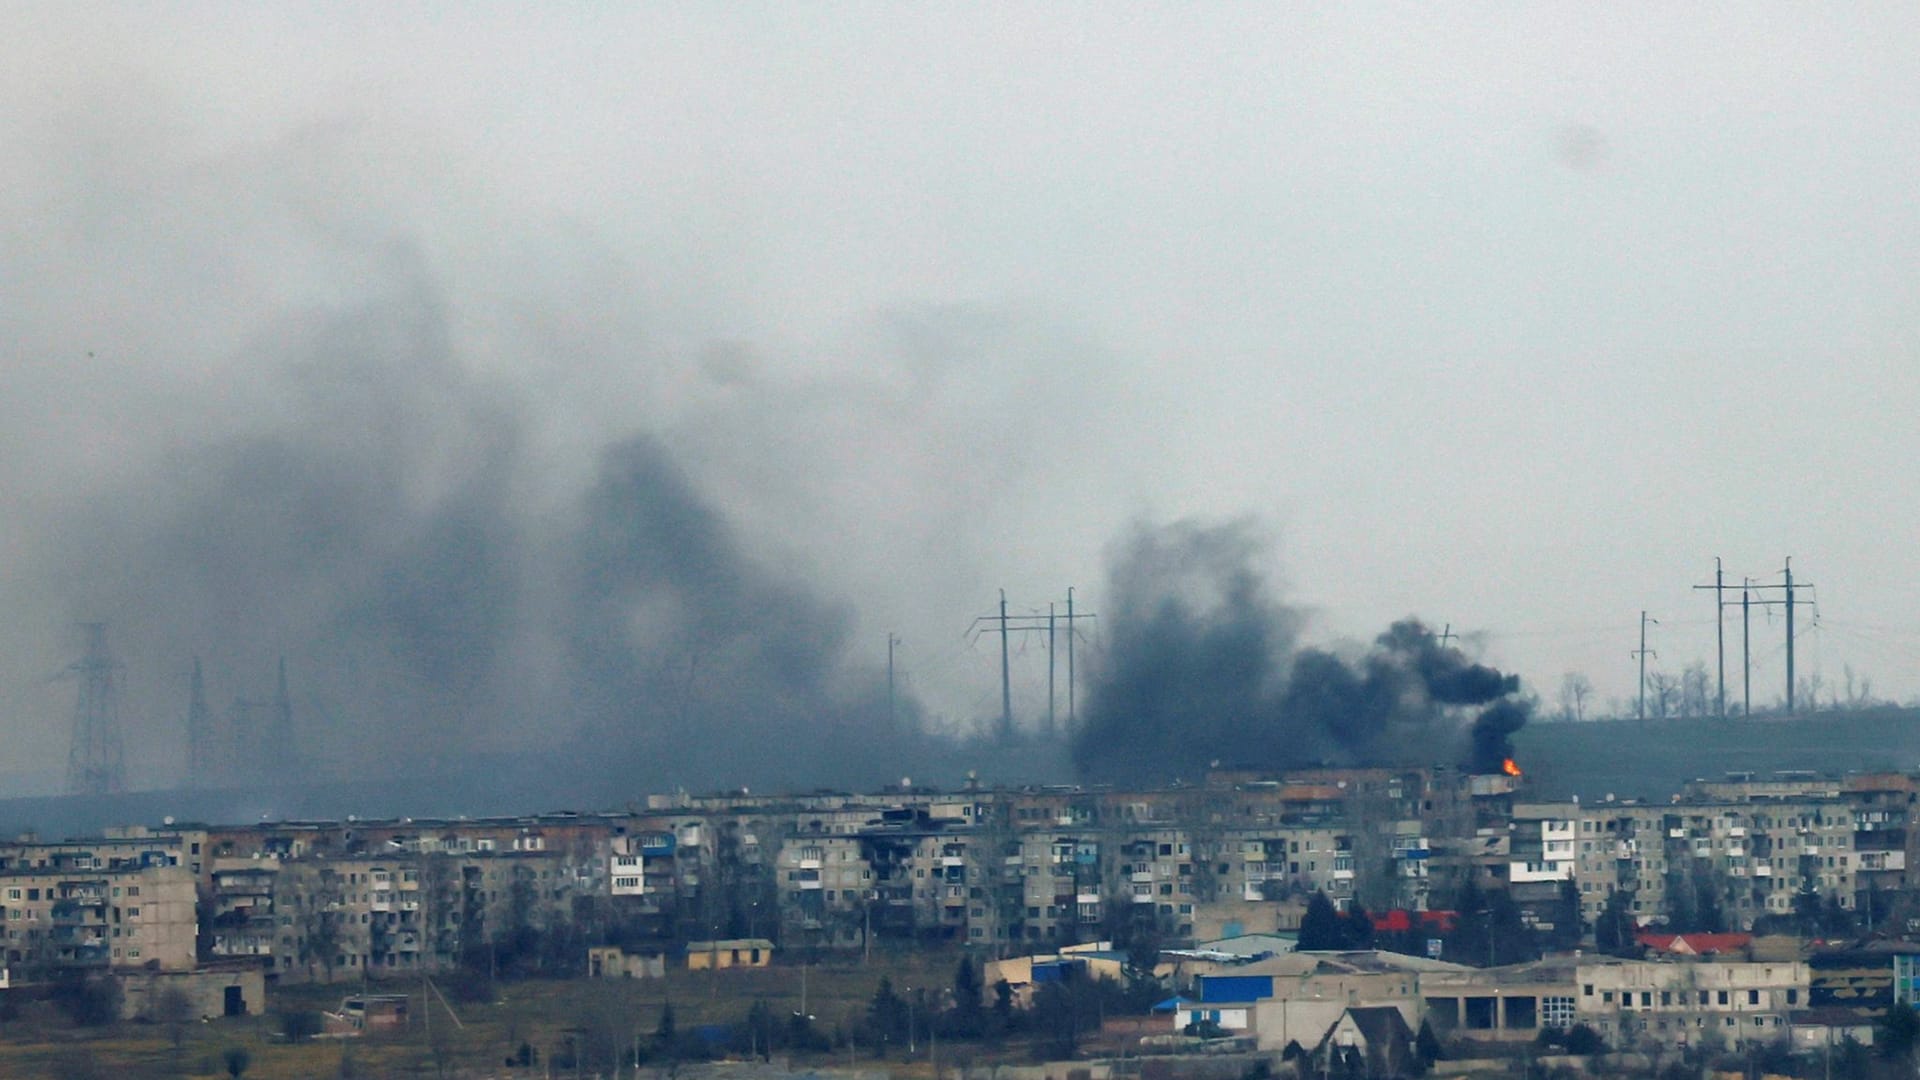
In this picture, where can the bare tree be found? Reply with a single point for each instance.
(1575, 689)
(1859, 688)
(1695, 689)
(1663, 694)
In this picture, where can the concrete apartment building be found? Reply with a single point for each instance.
(98, 920)
(999, 869)
(1756, 855)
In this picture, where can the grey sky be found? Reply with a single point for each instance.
(1506, 316)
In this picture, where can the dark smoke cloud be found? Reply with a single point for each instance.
(1204, 668)
(386, 528)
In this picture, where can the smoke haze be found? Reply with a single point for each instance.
(529, 376)
(1205, 669)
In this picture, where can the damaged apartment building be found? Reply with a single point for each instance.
(998, 869)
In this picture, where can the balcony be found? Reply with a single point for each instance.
(79, 935)
(84, 955)
(78, 913)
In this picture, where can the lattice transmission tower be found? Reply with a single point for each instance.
(95, 763)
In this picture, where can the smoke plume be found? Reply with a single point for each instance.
(1204, 668)
(440, 599)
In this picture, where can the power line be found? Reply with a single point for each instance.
(1719, 628)
(1006, 626)
(96, 764)
(1642, 653)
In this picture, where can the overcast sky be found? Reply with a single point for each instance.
(1510, 317)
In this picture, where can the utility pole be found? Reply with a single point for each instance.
(1789, 602)
(1006, 677)
(1789, 575)
(1642, 653)
(1446, 635)
(1073, 630)
(1719, 628)
(1746, 648)
(893, 712)
(281, 754)
(1050, 697)
(1072, 718)
(1049, 624)
(199, 732)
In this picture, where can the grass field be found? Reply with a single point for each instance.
(548, 1015)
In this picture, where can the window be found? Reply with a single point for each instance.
(1753, 997)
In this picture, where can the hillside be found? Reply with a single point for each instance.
(1652, 759)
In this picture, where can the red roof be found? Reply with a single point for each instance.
(1397, 922)
(1695, 944)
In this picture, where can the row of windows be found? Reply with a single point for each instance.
(1669, 997)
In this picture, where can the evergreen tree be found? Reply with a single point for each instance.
(1357, 928)
(886, 1013)
(1427, 1045)
(1898, 1033)
(1708, 914)
(1510, 937)
(1320, 927)
(1568, 926)
(966, 986)
(1681, 917)
(1613, 931)
(665, 1037)
(967, 1006)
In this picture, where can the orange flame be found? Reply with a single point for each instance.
(1507, 766)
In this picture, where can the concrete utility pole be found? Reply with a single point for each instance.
(1789, 574)
(893, 712)
(1072, 718)
(1788, 586)
(1050, 654)
(199, 731)
(1073, 631)
(1719, 628)
(1006, 678)
(1642, 653)
(1746, 647)
(1006, 626)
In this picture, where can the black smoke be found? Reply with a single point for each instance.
(1204, 668)
(443, 597)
